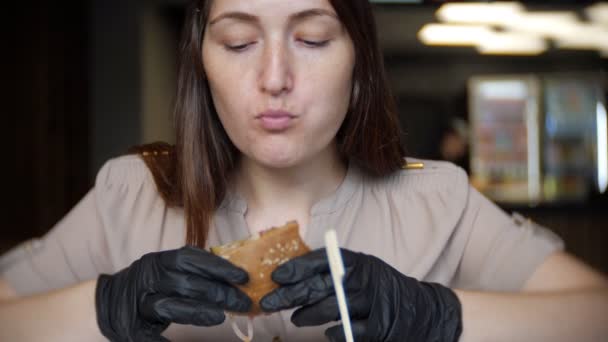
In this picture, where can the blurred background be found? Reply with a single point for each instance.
(514, 92)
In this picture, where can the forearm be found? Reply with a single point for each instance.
(63, 315)
(567, 315)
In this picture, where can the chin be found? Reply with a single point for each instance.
(278, 163)
(277, 159)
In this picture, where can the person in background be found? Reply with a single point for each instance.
(283, 112)
(454, 145)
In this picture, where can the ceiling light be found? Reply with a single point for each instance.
(479, 13)
(472, 24)
(512, 43)
(583, 37)
(598, 13)
(453, 35)
(547, 24)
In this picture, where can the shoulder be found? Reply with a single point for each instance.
(435, 187)
(426, 176)
(419, 211)
(438, 172)
(125, 188)
(151, 164)
(123, 172)
(132, 212)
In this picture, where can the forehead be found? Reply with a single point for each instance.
(268, 9)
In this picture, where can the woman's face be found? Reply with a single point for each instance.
(280, 74)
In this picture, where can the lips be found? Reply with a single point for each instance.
(275, 120)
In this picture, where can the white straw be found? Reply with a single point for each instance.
(336, 267)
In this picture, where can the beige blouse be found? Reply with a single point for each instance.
(428, 223)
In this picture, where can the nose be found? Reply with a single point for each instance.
(276, 71)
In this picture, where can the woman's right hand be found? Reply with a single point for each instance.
(185, 286)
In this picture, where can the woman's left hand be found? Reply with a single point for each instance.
(384, 305)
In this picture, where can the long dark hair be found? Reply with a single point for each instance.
(194, 173)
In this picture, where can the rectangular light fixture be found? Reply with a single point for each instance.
(479, 13)
(547, 24)
(453, 35)
(512, 43)
(584, 37)
(598, 13)
(464, 24)
(486, 40)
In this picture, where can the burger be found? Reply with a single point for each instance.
(260, 255)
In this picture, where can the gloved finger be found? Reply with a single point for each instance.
(308, 291)
(327, 310)
(359, 329)
(307, 265)
(181, 311)
(219, 294)
(149, 336)
(200, 262)
(302, 267)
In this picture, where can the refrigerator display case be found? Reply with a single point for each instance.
(504, 116)
(537, 138)
(570, 137)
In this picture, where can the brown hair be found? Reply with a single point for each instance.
(194, 174)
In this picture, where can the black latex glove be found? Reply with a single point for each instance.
(185, 286)
(384, 305)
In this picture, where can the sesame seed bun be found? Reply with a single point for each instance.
(260, 255)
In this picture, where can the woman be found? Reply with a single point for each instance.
(283, 113)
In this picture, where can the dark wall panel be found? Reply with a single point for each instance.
(48, 107)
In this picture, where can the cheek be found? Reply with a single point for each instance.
(332, 80)
(219, 78)
(330, 94)
(232, 118)
(230, 108)
(231, 113)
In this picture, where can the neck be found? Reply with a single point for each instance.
(275, 196)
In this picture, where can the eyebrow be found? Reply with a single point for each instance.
(299, 16)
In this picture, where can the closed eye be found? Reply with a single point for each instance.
(315, 44)
(238, 48)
